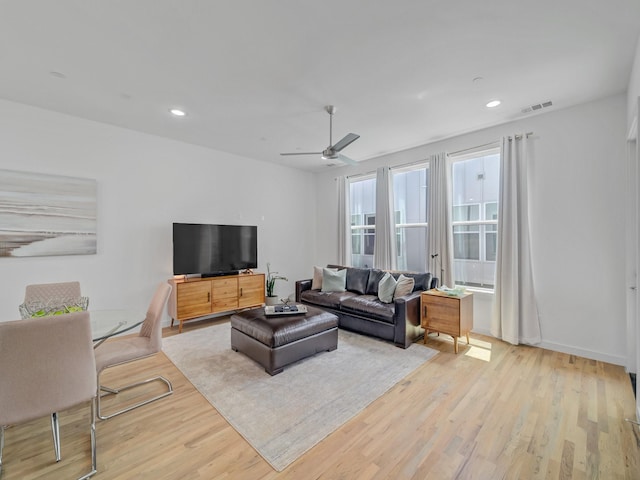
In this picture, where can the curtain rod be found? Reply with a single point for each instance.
(478, 147)
(426, 160)
(518, 137)
(404, 165)
(356, 175)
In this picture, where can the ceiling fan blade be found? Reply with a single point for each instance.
(302, 153)
(345, 159)
(348, 139)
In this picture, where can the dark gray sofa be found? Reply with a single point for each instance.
(359, 309)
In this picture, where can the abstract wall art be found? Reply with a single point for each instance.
(43, 215)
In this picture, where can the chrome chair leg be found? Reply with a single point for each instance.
(127, 387)
(109, 389)
(94, 455)
(55, 430)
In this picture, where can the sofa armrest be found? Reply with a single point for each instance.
(409, 305)
(301, 286)
(407, 319)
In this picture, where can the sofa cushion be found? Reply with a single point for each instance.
(357, 279)
(334, 280)
(403, 287)
(422, 280)
(375, 276)
(386, 288)
(369, 306)
(325, 299)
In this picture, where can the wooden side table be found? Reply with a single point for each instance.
(446, 314)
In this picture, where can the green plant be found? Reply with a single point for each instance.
(271, 280)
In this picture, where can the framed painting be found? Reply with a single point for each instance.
(42, 215)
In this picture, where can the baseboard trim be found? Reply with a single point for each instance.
(571, 350)
(581, 352)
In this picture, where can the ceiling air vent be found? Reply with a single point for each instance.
(537, 106)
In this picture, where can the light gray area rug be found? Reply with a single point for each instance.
(285, 415)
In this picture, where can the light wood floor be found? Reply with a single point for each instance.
(493, 411)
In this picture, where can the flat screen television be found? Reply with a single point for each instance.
(211, 250)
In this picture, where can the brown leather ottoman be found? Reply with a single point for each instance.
(277, 341)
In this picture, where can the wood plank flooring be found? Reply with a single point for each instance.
(494, 411)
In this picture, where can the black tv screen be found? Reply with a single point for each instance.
(213, 249)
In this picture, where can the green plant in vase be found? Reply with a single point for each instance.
(271, 283)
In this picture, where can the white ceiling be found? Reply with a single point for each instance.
(254, 75)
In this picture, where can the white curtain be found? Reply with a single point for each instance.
(439, 234)
(384, 252)
(515, 313)
(344, 223)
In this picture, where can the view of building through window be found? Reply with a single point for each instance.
(475, 181)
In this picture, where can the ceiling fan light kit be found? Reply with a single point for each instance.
(332, 152)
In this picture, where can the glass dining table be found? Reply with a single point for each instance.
(107, 323)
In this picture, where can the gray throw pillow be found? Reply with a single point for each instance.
(334, 280)
(403, 287)
(386, 288)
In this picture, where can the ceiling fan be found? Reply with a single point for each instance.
(332, 152)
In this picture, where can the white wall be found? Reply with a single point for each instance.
(578, 242)
(633, 91)
(144, 184)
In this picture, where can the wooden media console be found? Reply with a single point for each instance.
(193, 298)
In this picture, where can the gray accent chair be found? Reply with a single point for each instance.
(129, 349)
(46, 365)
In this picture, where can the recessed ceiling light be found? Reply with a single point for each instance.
(493, 103)
(177, 112)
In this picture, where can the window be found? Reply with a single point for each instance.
(410, 199)
(475, 179)
(362, 202)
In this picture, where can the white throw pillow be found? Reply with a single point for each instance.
(316, 283)
(404, 286)
(386, 288)
(334, 280)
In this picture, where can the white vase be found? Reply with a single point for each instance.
(272, 300)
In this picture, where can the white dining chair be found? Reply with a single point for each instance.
(129, 349)
(50, 294)
(46, 365)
